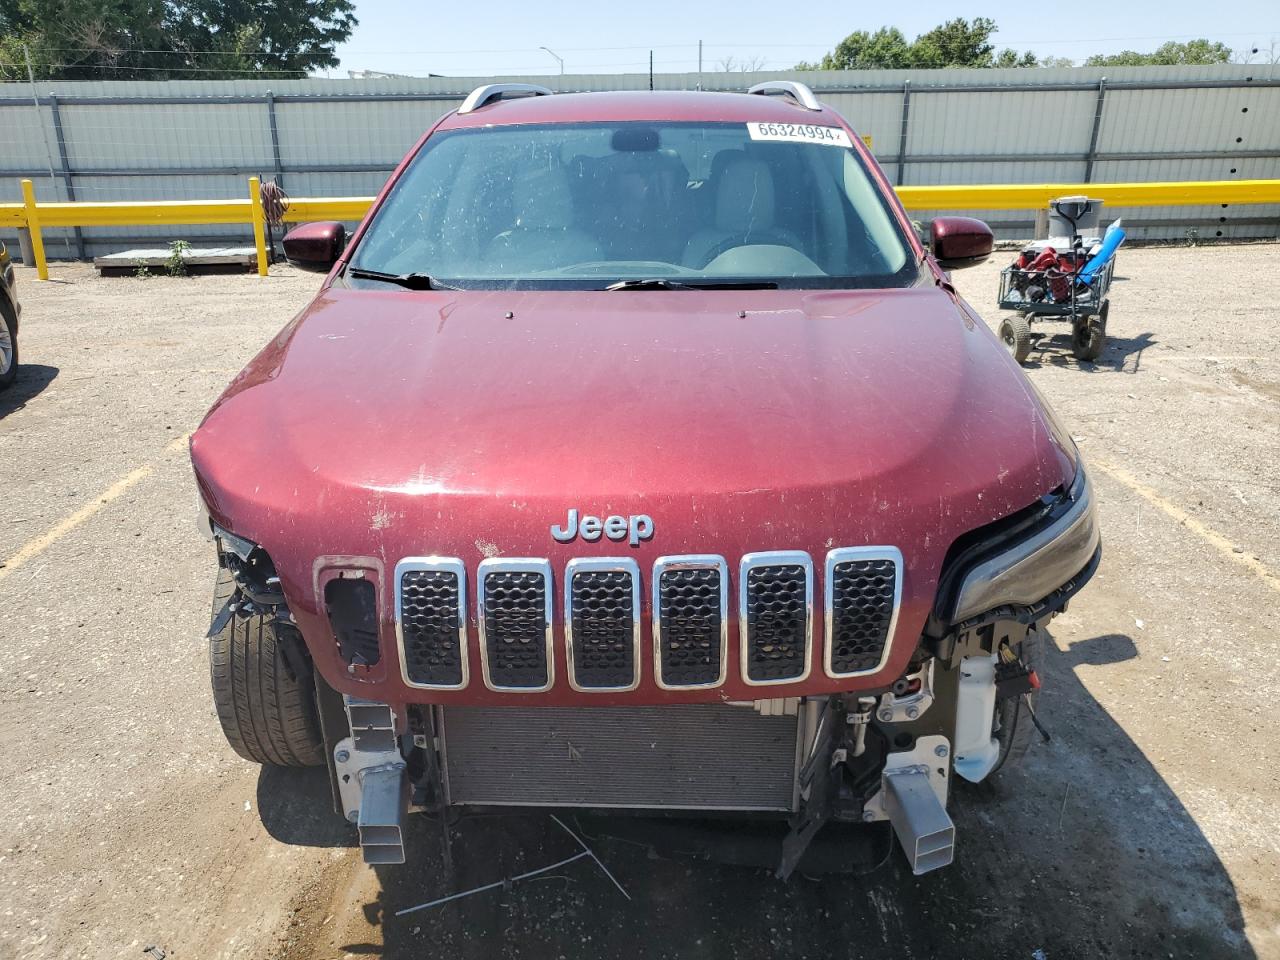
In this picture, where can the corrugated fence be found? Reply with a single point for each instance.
(179, 140)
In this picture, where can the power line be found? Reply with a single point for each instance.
(691, 45)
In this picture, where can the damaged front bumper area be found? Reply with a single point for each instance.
(879, 755)
(804, 762)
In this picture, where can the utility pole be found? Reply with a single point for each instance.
(699, 59)
(650, 69)
(557, 56)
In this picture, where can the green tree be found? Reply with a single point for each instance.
(956, 43)
(886, 49)
(1195, 52)
(1012, 58)
(170, 39)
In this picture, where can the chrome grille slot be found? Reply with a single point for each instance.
(863, 593)
(775, 616)
(602, 623)
(431, 625)
(514, 614)
(690, 621)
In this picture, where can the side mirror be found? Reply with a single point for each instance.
(315, 246)
(959, 242)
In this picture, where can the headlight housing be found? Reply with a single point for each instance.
(1036, 562)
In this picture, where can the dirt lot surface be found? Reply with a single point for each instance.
(1149, 827)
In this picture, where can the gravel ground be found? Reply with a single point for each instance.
(1149, 827)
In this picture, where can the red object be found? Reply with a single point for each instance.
(1059, 285)
(383, 423)
(1034, 678)
(1048, 258)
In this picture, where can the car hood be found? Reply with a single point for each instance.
(393, 424)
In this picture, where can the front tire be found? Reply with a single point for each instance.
(268, 714)
(8, 349)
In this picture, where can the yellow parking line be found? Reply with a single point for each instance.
(1212, 537)
(33, 548)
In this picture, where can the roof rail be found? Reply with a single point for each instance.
(798, 92)
(478, 97)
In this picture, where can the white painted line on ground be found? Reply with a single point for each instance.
(33, 548)
(1210, 536)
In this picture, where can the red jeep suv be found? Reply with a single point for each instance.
(635, 453)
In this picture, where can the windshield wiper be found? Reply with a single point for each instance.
(662, 283)
(649, 283)
(411, 281)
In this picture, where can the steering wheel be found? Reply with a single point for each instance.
(764, 237)
(595, 268)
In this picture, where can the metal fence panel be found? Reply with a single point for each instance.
(23, 132)
(1001, 124)
(353, 132)
(131, 136)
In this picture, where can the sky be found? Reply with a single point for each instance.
(503, 37)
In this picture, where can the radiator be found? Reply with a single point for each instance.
(686, 757)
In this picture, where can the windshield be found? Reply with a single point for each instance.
(596, 204)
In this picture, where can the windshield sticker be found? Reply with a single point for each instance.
(799, 132)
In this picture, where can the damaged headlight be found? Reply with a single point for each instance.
(251, 567)
(228, 542)
(1039, 562)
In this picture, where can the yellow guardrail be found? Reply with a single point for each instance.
(33, 216)
(1034, 196)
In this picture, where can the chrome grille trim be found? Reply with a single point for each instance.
(844, 555)
(776, 558)
(433, 565)
(516, 565)
(697, 561)
(603, 565)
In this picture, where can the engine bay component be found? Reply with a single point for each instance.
(373, 781)
(919, 818)
(910, 697)
(683, 757)
(976, 749)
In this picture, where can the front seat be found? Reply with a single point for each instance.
(745, 210)
(544, 236)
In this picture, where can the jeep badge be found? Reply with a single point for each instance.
(634, 528)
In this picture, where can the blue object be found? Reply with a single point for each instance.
(1110, 244)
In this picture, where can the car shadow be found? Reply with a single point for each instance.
(296, 807)
(31, 380)
(1083, 851)
(1120, 354)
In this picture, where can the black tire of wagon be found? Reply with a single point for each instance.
(1089, 336)
(1015, 331)
(1017, 731)
(267, 714)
